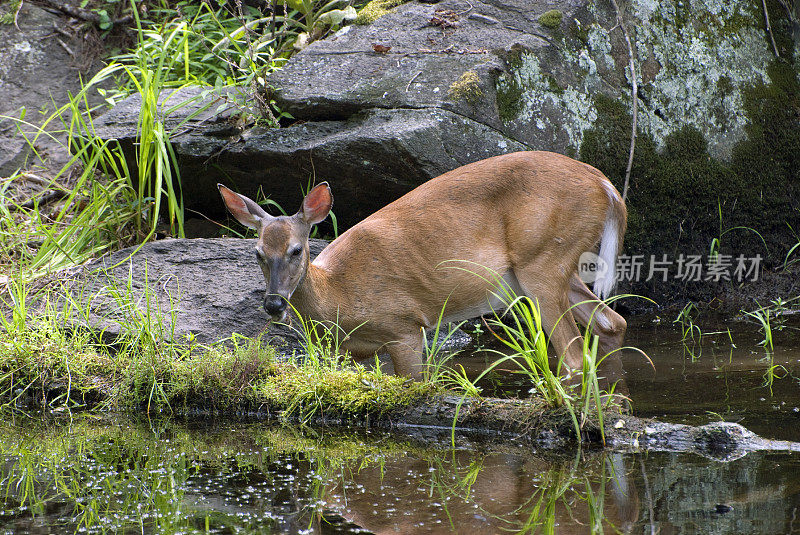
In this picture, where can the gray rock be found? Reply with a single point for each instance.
(36, 71)
(201, 289)
(369, 159)
(183, 110)
(539, 84)
(341, 75)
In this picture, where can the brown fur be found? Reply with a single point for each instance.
(530, 213)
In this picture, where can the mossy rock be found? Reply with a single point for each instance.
(467, 87)
(551, 19)
(376, 9)
(681, 198)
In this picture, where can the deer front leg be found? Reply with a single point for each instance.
(407, 356)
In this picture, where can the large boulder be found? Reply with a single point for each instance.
(428, 87)
(201, 290)
(532, 70)
(369, 158)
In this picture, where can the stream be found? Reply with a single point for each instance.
(90, 473)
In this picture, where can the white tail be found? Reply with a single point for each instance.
(526, 216)
(611, 242)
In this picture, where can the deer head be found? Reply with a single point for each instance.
(282, 245)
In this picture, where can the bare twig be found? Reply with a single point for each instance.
(634, 97)
(83, 14)
(65, 47)
(45, 198)
(787, 8)
(61, 31)
(16, 15)
(412, 79)
(36, 179)
(769, 28)
(470, 8)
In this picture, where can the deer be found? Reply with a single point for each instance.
(525, 216)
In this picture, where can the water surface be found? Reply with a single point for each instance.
(95, 474)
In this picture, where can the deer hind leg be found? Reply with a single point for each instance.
(587, 307)
(610, 329)
(557, 319)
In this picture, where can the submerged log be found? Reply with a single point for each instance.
(525, 423)
(515, 420)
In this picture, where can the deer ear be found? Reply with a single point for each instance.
(245, 210)
(317, 204)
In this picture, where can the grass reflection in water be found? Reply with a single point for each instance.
(91, 475)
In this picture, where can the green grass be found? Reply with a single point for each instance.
(764, 316)
(94, 216)
(106, 204)
(692, 334)
(49, 361)
(716, 243)
(519, 328)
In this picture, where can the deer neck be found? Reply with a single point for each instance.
(309, 296)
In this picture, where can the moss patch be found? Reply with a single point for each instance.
(376, 9)
(551, 19)
(48, 366)
(510, 88)
(681, 198)
(303, 389)
(467, 87)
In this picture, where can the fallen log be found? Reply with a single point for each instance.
(522, 422)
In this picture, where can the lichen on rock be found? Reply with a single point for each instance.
(527, 94)
(693, 63)
(707, 51)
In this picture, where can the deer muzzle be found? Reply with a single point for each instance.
(275, 305)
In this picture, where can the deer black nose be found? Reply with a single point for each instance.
(274, 304)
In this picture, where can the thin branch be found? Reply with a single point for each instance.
(412, 79)
(634, 97)
(83, 14)
(769, 28)
(16, 15)
(65, 47)
(45, 198)
(470, 8)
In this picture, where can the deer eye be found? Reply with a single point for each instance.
(258, 257)
(295, 251)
